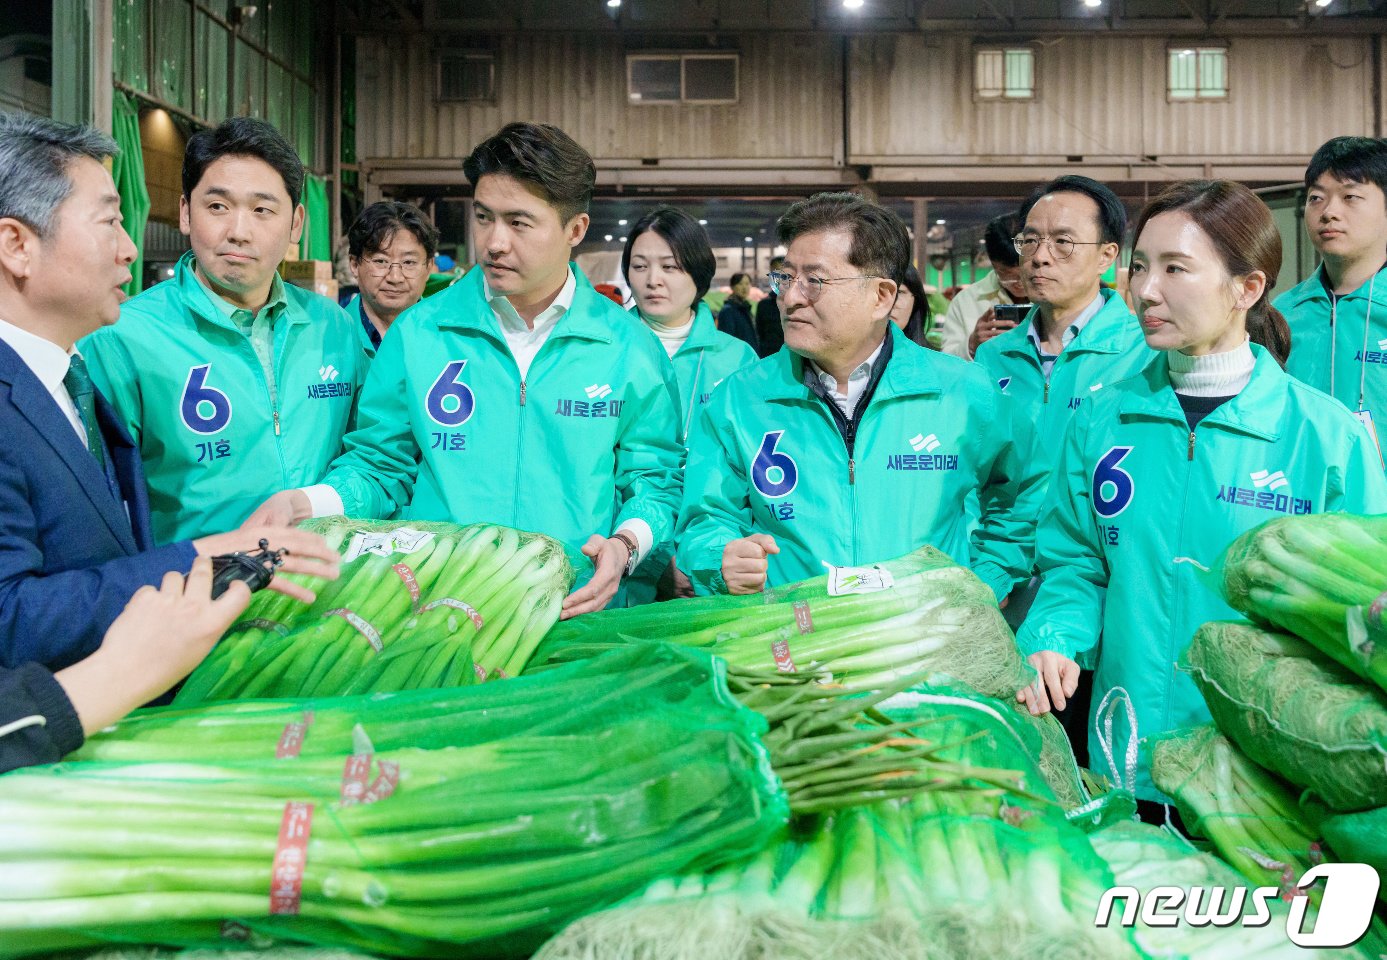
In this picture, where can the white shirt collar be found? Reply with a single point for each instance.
(860, 373)
(47, 360)
(512, 322)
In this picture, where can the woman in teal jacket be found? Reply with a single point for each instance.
(1162, 471)
(669, 264)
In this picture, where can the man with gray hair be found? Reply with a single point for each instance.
(75, 543)
(854, 445)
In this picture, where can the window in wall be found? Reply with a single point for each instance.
(1197, 73)
(1004, 73)
(466, 76)
(682, 78)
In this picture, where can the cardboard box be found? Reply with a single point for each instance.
(323, 288)
(306, 270)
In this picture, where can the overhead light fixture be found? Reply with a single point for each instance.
(1323, 3)
(748, 240)
(1093, 3)
(703, 223)
(852, 4)
(609, 238)
(622, 239)
(941, 222)
(613, 3)
(621, 223)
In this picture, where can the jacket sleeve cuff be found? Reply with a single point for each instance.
(324, 500)
(997, 579)
(62, 723)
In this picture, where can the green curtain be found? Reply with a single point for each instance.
(316, 241)
(127, 169)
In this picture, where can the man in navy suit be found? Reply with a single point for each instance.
(74, 518)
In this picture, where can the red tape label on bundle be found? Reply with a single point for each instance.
(291, 853)
(386, 781)
(1375, 610)
(411, 584)
(471, 612)
(479, 670)
(803, 618)
(362, 627)
(291, 740)
(355, 776)
(783, 661)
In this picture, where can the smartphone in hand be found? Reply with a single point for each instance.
(1010, 314)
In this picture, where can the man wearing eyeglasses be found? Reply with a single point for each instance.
(1078, 335)
(390, 250)
(852, 444)
(233, 383)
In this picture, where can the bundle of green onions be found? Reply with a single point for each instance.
(418, 605)
(987, 872)
(1253, 819)
(1322, 577)
(1144, 857)
(935, 617)
(1295, 712)
(461, 822)
(1360, 838)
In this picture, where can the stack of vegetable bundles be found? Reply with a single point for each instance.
(920, 613)
(988, 872)
(418, 605)
(470, 821)
(1301, 726)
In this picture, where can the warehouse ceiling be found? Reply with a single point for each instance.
(977, 17)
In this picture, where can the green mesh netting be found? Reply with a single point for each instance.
(1294, 712)
(470, 822)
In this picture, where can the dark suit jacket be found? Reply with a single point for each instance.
(770, 335)
(735, 320)
(73, 550)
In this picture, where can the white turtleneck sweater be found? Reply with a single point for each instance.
(672, 337)
(1212, 375)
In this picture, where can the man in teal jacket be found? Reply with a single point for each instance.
(1338, 317)
(1078, 335)
(519, 395)
(390, 250)
(233, 383)
(852, 445)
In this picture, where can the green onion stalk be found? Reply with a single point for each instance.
(1321, 577)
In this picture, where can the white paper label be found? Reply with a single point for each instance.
(843, 581)
(404, 540)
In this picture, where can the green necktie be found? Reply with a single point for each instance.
(79, 386)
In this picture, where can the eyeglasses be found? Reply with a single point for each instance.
(1061, 247)
(380, 267)
(781, 283)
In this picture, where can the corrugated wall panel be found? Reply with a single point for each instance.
(787, 107)
(1286, 96)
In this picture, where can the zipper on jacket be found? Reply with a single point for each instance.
(522, 392)
(1191, 454)
(1047, 391)
(276, 419)
(852, 471)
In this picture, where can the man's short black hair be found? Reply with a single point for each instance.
(1112, 215)
(737, 278)
(880, 242)
(997, 237)
(687, 240)
(1354, 159)
(376, 227)
(539, 154)
(243, 137)
(777, 262)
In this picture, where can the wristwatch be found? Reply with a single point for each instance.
(632, 546)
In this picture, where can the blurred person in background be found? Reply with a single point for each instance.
(770, 337)
(911, 311)
(734, 319)
(969, 321)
